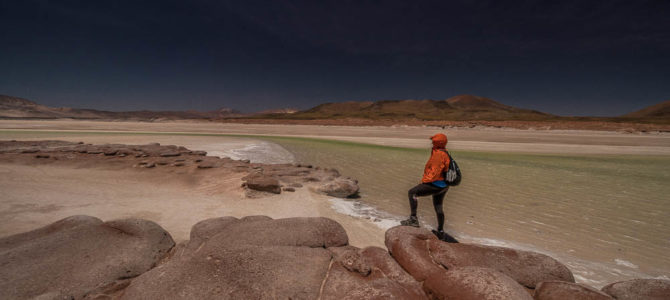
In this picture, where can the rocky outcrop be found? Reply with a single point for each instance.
(257, 257)
(264, 178)
(261, 258)
(473, 283)
(639, 289)
(72, 257)
(527, 268)
(560, 290)
(441, 266)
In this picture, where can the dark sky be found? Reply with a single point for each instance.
(562, 57)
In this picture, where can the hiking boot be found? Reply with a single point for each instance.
(443, 236)
(412, 221)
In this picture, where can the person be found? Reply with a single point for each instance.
(432, 184)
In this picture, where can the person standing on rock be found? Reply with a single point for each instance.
(432, 184)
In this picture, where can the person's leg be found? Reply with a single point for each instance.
(438, 199)
(423, 189)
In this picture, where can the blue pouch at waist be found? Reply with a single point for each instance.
(439, 183)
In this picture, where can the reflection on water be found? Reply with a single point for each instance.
(607, 217)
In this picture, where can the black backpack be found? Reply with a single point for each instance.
(453, 174)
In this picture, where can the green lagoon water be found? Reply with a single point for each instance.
(607, 217)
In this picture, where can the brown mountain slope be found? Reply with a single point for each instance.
(462, 107)
(14, 107)
(660, 110)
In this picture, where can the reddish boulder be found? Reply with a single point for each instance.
(473, 283)
(527, 268)
(560, 290)
(264, 184)
(72, 257)
(409, 247)
(639, 289)
(340, 187)
(250, 258)
(369, 273)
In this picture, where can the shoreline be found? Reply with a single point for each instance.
(475, 139)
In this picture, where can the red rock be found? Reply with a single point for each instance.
(264, 184)
(473, 283)
(409, 247)
(527, 268)
(74, 256)
(369, 273)
(340, 187)
(639, 289)
(560, 290)
(249, 258)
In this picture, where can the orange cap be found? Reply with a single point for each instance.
(439, 140)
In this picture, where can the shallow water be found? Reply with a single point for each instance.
(606, 217)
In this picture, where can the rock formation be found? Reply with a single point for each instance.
(257, 257)
(266, 178)
(71, 257)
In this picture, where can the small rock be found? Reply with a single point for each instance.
(288, 189)
(42, 156)
(30, 150)
(199, 153)
(170, 153)
(264, 184)
(340, 187)
(178, 164)
(150, 165)
(161, 162)
(295, 185)
(110, 152)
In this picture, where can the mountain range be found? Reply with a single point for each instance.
(458, 108)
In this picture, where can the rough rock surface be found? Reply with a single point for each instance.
(639, 289)
(258, 257)
(340, 187)
(473, 283)
(74, 256)
(170, 157)
(434, 262)
(527, 268)
(560, 290)
(408, 246)
(264, 184)
(369, 273)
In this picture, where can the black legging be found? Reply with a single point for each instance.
(426, 189)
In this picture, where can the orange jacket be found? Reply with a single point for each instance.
(438, 161)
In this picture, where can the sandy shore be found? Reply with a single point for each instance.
(477, 139)
(37, 192)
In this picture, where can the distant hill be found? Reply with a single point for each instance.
(660, 110)
(462, 107)
(14, 107)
